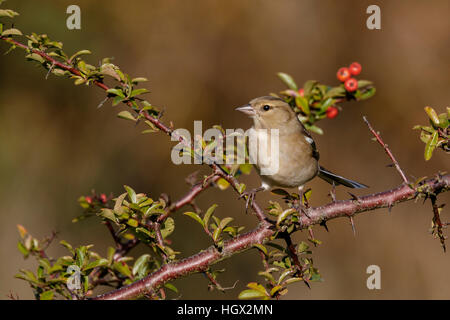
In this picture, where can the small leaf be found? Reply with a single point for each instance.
(222, 184)
(171, 287)
(11, 32)
(168, 227)
(431, 145)
(432, 115)
(97, 263)
(309, 86)
(286, 213)
(195, 216)
(139, 79)
(132, 223)
(220, 227)
(261, 248)
(108, 214)
(126, 115)
(22, 231)
(46, 295)
(131, 194)
(79, 53)
(208, 215)
(123, 268)
(116, 92)
(288, 80)
(140, 267)
(251, 294)
(138, 92)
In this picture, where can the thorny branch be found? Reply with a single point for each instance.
(265, 231)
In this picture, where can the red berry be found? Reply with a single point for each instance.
(343, 74)
(351, 84)
(88, 199)
(103, 198)
(355, 68)
(332, 112)
(301, 92)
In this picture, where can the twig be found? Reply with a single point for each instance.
(388, 151)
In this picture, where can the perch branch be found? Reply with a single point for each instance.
(265, 231)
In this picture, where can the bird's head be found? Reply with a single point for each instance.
(269, 112)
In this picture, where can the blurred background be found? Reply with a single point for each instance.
(202, 59)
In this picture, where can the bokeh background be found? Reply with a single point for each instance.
(203, 58)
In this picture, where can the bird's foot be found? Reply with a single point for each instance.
(250, 197)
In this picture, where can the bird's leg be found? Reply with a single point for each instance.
(250, 196)
(299, 206)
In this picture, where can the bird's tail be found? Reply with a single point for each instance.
(334, 178)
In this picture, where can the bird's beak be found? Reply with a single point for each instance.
(247, 109)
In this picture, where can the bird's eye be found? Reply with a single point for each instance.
(266, 107)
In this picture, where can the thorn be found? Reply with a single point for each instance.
(324, 224)
(353, 225)
(354, 198)
(333, 192)
(102, 103)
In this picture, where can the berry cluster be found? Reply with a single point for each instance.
(345, 74)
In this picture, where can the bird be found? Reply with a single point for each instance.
(298, 158)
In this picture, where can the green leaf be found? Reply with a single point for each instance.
(46, 295)
(286, 213)
(246, 168)
(123, 268)
(139, 79)
(432, 115)
(116, 92)
(126, 115)
(195, 216)
(364, 83)
(261, 248)
(8, 13)
(222, 184)
(140, 268)
(171, 287)
(313, 128)
(35, 57)
(251, 294)
(97, 263)
(22, 249)
(302, 103)
(208, 214)
(287, 80)
(131, 194)
(167, 227)
(138, 92)
(119, 201)
(335, 92)
(302, 247)
(223, 223)
(108, 214)
(309, 86)
(132, 223)
(68, 246)
(79, 53)
(431, 145)
(11, 32)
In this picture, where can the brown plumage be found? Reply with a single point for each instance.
(298, 157)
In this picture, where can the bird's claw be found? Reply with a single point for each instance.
(250, 197)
